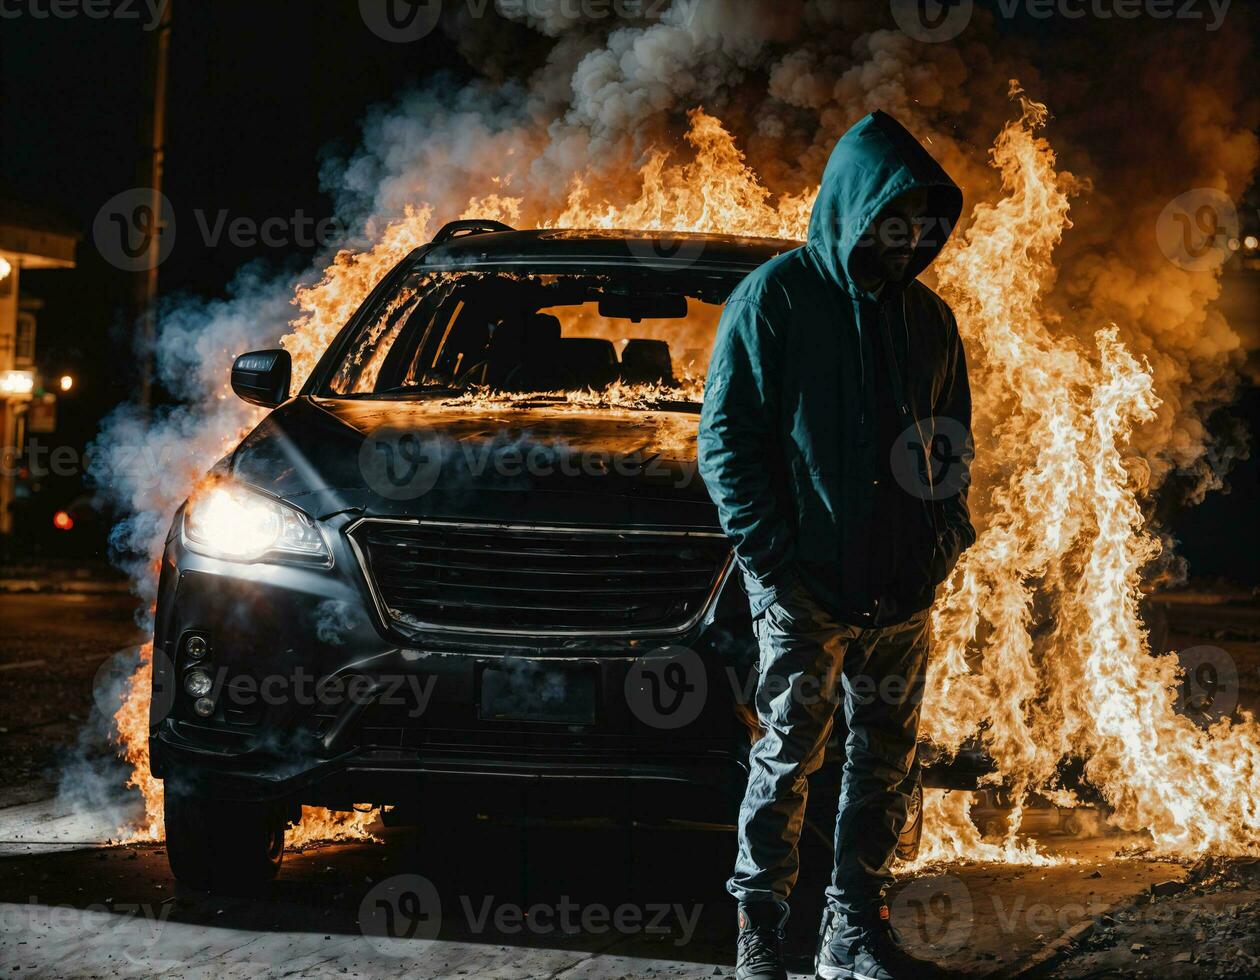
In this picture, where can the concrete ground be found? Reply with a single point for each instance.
(519, 898)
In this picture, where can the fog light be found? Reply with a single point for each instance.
(204, 707)
(198, 683)
(196, 647)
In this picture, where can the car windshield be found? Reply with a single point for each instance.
(536, 335)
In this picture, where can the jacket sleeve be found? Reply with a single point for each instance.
(740, 448)
(953, 405)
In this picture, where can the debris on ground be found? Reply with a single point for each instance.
(1205, 926)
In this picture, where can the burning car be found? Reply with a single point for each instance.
(472, 548)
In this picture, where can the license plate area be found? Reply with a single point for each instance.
(526, 690)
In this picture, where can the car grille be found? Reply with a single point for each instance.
(537, 579)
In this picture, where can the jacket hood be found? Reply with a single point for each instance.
(876, 160)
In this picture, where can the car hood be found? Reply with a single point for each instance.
(540, 462)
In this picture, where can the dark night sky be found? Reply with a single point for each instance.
(258, 91)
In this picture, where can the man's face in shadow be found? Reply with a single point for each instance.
(884, 253)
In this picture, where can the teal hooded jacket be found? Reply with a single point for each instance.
(817, 390)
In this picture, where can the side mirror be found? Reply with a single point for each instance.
(261, 377)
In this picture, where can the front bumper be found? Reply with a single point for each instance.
(317, 701)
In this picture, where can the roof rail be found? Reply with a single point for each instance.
(470, 226)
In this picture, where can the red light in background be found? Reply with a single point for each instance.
(62, 521)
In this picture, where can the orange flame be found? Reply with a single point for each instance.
(716, 191)
(1063, 530)
(132, 719)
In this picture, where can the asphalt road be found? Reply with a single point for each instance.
(51, 645)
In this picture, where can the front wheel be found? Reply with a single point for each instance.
(222, 845)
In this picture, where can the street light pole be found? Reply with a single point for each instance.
(151, 168)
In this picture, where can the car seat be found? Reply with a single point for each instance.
(647, 361)
(540, 368)
(592, 360)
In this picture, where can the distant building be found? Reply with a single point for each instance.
(29, 239)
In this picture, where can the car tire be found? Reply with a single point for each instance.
(222, 845)
(995, 828)
(1077, 824)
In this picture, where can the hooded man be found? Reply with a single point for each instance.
(835, 441)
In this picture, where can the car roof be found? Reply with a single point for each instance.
(559, 247)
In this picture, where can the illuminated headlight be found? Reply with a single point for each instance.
(229, 521)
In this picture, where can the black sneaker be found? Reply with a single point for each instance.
(759, 948)
(866, 947)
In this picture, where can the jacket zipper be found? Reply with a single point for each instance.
(861, 364)
(894, 366)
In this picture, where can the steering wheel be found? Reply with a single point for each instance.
(465, 378)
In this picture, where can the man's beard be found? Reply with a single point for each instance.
(896, 265)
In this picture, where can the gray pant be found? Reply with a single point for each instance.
(811, 664)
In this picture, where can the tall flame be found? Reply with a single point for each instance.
(1039, 649)
(1039, 645)
(132, 719)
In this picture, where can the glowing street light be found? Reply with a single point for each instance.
(17, 382)
(66, 382)
(5, 268)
